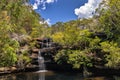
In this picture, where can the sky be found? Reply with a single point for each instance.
(64, 10)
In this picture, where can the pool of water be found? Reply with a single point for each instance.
(50, 75)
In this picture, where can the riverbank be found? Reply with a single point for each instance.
(12, 70)
(95, 71)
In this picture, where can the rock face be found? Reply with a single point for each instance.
(47, 50)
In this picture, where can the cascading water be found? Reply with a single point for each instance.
(41, 61)
(41, 66)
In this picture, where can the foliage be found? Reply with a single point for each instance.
(78, 40)
(58, 37)
(19, 23)
(74, 57)
(8, 46)
(17, 19)
(79, 46)
(78, 58)
(94, 43)
(23, 59)
(112, 54)
(72, 37)
(8, 53)
(110, 19)
(62, 56)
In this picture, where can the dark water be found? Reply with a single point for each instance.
(49, 75)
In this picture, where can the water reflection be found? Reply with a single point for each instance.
(53, 76)
(42, 76)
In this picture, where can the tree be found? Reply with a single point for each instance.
(16, 19)
(110, 19)
(8, 46)
(111, 53)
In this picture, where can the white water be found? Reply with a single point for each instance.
(42, 64)
(41, 67)
(41, 61)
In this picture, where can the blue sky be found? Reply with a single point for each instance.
(64, 10)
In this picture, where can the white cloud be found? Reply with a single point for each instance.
(42, 3)
(50, 1)
(43, 6)
(35, 6)
(87, 10)
(48, 21)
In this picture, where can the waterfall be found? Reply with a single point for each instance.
(41, 66)
(41, 61)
